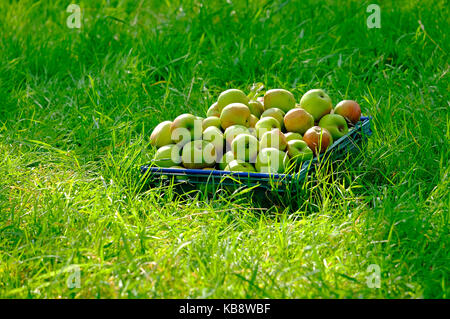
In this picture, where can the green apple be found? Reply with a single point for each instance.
(252, 121)
(226, 159)
(167, 156)
(231, 96)
(266, 124)
(274, 138)
(245, 147)
(271, 160)
(317, 103)
(318, 139)
(298, 120)
(233, 131)
(235, 113)
(279, 98)
(185, 128)
(335, 124)
(240, 166)
(299, 151)
(211, 121)
(213, 110)
(256, 108)
(161, 134)
(215, 136)
(198, 154)
(276, 113)
(293, 136)
(348, 109)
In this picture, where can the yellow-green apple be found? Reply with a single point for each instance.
(198, 154)
(274, 138)
(317, 103)
(211, 121)
(231, 96)
(266, 124)
(240, 166)
(185, 128)
(233, 131)
(213, 110)
(348, 109)
(298, 120)
(167, 156)
(215, 136)
(226, 159)
(299, 151)
(318, 139)
(245, 147)
(252, 121)
(161, 134)
(235, 113)
(271, 160)
(293, 136)
(335, 124)
(276, 113)
(256, 108)
(279, 98)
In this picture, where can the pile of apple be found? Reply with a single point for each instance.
(266, 134)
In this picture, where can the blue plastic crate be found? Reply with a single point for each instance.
(351, 142)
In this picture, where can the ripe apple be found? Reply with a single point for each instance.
(276, 113)
(298, 120)
(271, 160)
(299, 151)
(266, 124)
(215, 136)
(235, 113)
(233, 131)
(240, 166)
(245, 147)
(185, 128)
(317, 103)
(211, 121)
(279, 98)
(293, 136)
(274, 138)
(335, 124)
(167, 156)
(161, 134)
(256, 108)
(226, 159)
(348, 109)
(198, 154)
(318, 139)
(252, 121)
(231, 96)
(213, 110)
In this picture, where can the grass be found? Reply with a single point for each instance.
(77, 107)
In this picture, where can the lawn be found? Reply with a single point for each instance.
(77, 107)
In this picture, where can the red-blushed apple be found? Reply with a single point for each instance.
(226, 159)
(335, 124)
(231, 96)
(256, 108)
(161, 134)
(213, 110)
(277, 114)
(274, 138)
(299, 151)
(298, 121)
(318, 139)
(240, 166)
(198, 154)
(167, 156)
(266, 124)
(271, 160)
(235, 113)
(317, 103)
(349, 109)
(293, 136)
(185, 128)
(245, 147)
(211, 121)
(279, 98)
